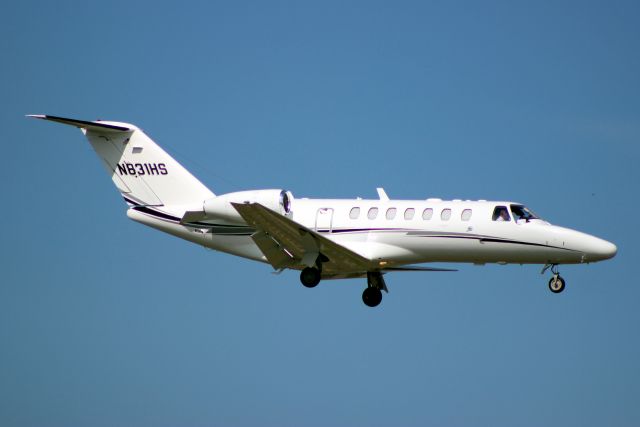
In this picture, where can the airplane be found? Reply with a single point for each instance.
(329, 238)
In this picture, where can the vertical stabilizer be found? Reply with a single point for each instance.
(142, 171)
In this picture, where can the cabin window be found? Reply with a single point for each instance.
(445, 215)
(466, 215)
(427, 214)
(354, 213)
(409, 213)
(501, 213)
(391, 213)
(373, 213)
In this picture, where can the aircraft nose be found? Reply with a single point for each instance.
(600, 250)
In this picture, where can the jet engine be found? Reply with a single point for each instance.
(220, 207)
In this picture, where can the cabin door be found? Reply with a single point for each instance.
(324, 220)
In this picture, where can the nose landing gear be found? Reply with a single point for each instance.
(556, 283)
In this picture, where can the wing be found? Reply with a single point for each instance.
(416, 268)
(285, 243)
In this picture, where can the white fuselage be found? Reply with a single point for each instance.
(407, 232)
(328, 238)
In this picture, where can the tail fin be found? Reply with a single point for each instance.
(142, 171)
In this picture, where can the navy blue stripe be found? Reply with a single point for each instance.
(206, 224)
(517, 242)
(156, 213)
(355, 230)
(227, 230)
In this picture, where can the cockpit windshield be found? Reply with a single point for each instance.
(523, 212)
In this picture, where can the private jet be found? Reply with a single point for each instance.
(329, 238)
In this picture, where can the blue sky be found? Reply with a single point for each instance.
(105, 322)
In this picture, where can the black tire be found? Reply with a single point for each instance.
(310, 277)
(556, 285)
(372, 297)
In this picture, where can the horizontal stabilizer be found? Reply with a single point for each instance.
(82, 124)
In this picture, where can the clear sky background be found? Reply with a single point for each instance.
(104, 322)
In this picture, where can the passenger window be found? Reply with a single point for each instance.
(373, 213)
(466, 215)
(445, 214)
(391, 213)
(427, 214)
(409, 213)
(354, 213)
(500, 213)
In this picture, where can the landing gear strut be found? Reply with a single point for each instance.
(556, 283)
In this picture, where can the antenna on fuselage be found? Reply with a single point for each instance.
(382, 194)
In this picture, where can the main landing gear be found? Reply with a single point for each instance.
(556, 283)
(310, 277)
(372, 295)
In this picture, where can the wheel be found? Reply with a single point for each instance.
(372, 296)
(310, 277)
(556, 284)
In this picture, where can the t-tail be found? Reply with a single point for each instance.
(143, 172)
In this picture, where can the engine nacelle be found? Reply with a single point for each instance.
(220, 207)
